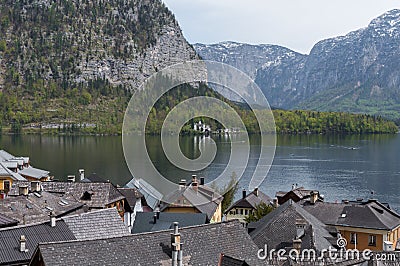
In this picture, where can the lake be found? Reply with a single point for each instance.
(340, 167)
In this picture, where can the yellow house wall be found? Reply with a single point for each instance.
(362, 237)
(181, 209)
(5, 178)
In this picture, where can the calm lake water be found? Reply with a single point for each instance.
(340, 167)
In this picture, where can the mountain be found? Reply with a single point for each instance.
(245, 57)
(358, 72)
(61, 59)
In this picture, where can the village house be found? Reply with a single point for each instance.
(195, 245)
(246, 204)
(296, 194)
(22, 167)
(136, 203)
(290, 226)
(7, 177)
(20, 242)
(93, 195)
(194, 197)
(28, 203)
(364, 224)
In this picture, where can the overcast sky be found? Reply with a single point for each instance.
(296, 24)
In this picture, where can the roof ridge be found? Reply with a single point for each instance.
(138, 234)
(88, 213)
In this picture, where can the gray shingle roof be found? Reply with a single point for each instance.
(131, 195)
(4, 156)
(205, 200)
(278, 229)
(36, 207)
(5, 171)
(102, 194)
(6, 221)
(371, 214)
(202, 245)
(251, 201)
(34, 172)
(144, 221)
(231, 261)
(103, 223)
(9, 240)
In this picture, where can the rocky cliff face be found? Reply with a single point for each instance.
(358, 72)
(63, 44)
(245, 57)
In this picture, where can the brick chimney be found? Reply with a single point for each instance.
(35, 186)
(300, 228)
(52, 219)
(22, 244)
(256, 191)
(182, 183)
(275, 203)
(297, 245)
(23, 190)
(313, 197)
(81, 174)
(71, 178)
(244, 194)
(202, 179)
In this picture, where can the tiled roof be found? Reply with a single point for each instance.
(131, 195)
(231, 261)
(251, 200)
(6, 221)
(5, 171)
(147, 190)
(4, 156)
(10, 161)
(94, 178)
(300, 192)
(144, 221)
(36, 207)
(103, 223)
(202, 245)
(278, 229)
(34, 172)
(9, 240)
(102, 194)
(371, 214)
(205, 200)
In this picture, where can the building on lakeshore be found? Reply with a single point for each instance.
(364, 224)
(246, 204)
(194, 197)
(290, 226)
(22, 167)
(298, 193)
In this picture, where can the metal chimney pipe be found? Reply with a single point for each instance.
(176, 224)
(180, 257)
(175, 244)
